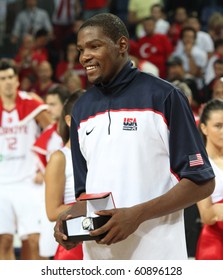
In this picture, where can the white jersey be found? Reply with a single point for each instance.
(48, 142)
(18, 131)
(69, 196)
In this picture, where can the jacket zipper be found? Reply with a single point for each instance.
(109, 116)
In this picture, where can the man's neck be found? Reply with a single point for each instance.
(8, 103)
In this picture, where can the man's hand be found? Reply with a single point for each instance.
(123, 222)
(76, 210)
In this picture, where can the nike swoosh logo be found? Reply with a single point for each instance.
(89, 132)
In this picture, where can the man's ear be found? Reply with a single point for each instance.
(123, 43)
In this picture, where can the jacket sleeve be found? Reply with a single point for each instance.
(188, 156)
(79, 163)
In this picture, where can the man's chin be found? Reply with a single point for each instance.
(94, 80)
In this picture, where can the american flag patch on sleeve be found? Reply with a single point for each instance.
(195, 160)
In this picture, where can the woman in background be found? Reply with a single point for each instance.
(59, 179)
(210, 242)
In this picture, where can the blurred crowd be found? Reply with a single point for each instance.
(171, 40)
(179, 41)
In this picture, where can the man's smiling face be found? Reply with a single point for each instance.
(99, 55)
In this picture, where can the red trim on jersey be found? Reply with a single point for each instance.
(127, 110)
(24, 104)
(40, 146)
(175, 175)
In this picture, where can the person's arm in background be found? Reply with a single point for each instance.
(48, 25)
(78, 208)
(43, 119)
(55, 183)
(16, 29)
(210, 213)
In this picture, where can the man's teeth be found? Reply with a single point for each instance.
(90, 67)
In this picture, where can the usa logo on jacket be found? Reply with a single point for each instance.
(130, 124)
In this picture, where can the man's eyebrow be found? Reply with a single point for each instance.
(90, 42)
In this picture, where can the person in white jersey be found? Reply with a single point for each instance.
(21, 117)
(59, 178)
(133, 134)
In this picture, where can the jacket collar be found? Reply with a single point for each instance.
(125, 76)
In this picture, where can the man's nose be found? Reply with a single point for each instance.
(85, 56)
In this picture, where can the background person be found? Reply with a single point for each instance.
(210, 242)
(48, 142)
(59, 179)
(21, 117)
(30, 20)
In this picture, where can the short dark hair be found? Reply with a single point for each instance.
(174, 60)
(111, 25)
(218, 43)
(157, 5)
(59, 90)
(42, 32)
(8, 63)
(151, 18)
(188, 28)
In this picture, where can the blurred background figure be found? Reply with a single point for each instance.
(179, 20)
(203, 39)
(44, 81)
(187, 91)
(65, 13)
(218, 74)
(29, 20)
(3, 15)
(158, 13)
(48, 142)
(175, 71)
(215, 26)
(91, 8)
(21, 118)
(210, 73)
(210, 242)
(218, 89)
(24, 57)
(153, 47)
(71, 63)
(120, 8)
(137, 11)
(144, 65)
(59, 178)
(72, 81)
(194, 58)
